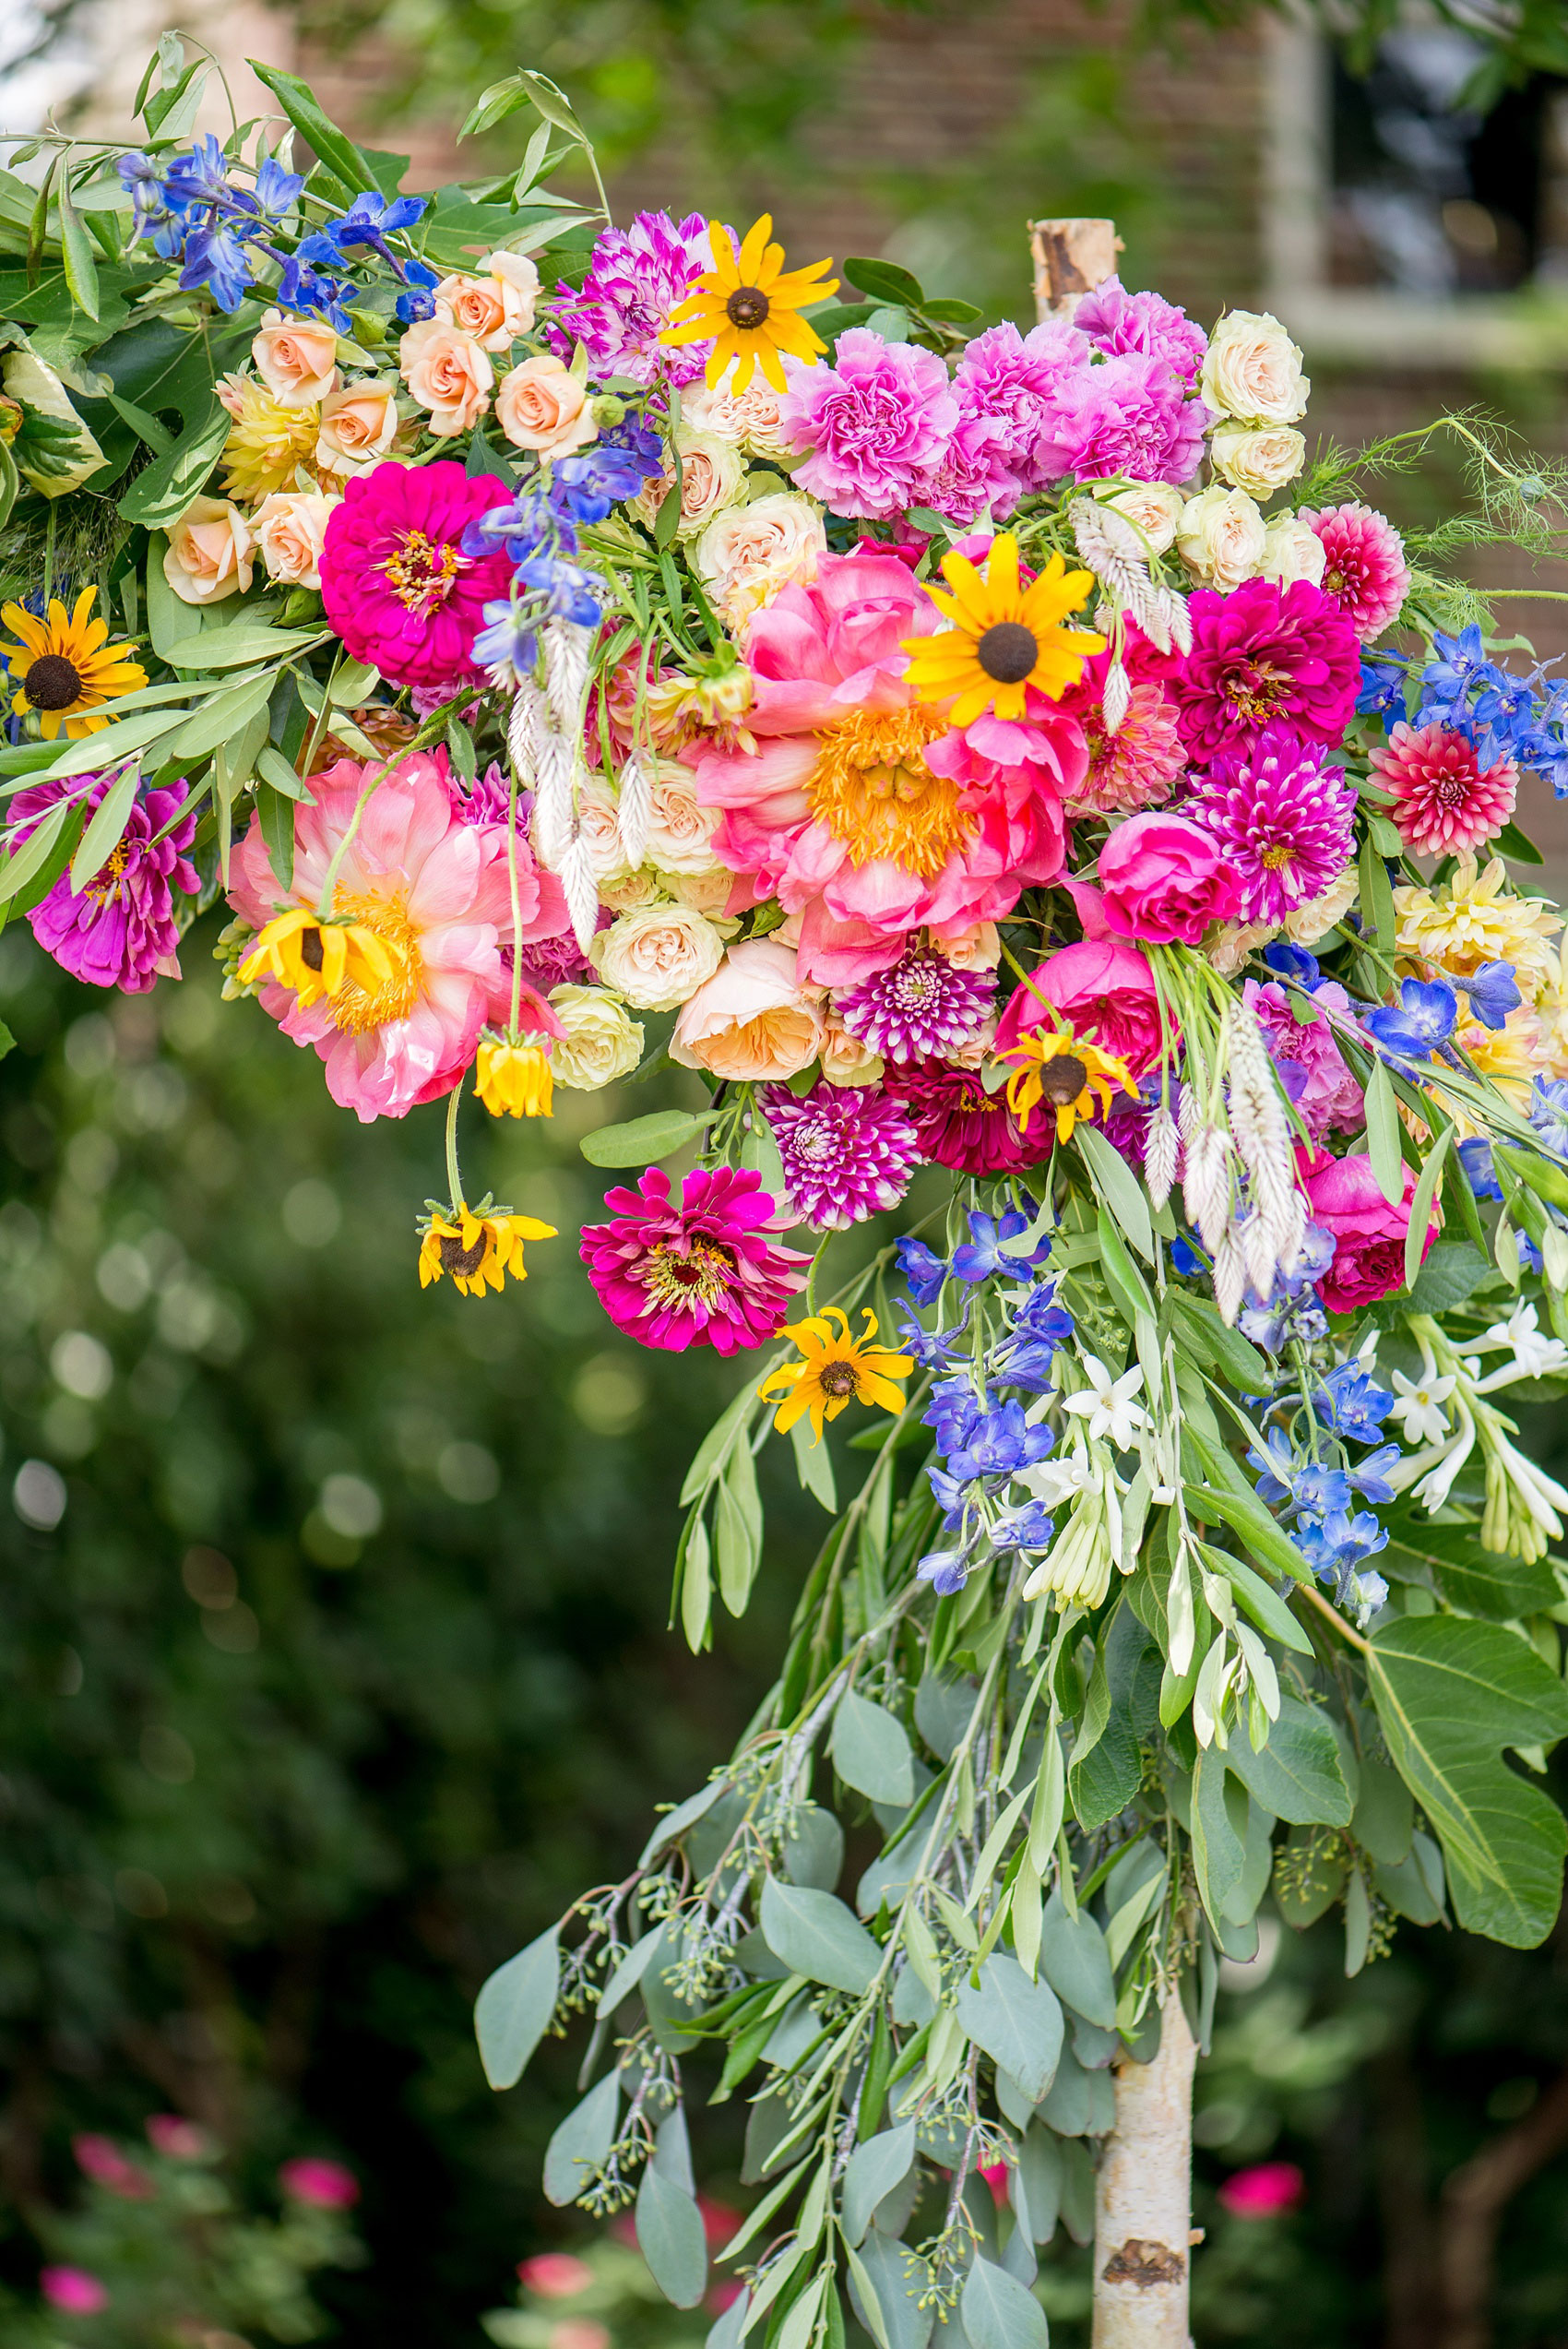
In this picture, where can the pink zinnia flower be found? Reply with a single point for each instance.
(321, 2184)
(1115, 320)
(1263, 2191)
(395, 582)
(958, 1125)
(72, 2291)
(556, 2275)
(1261, 655)
(873, 422)
(100, 2159)
(638, 277)
(120, 931)
(1444, 800)
(702, 1271)
(180, 2140)
(1364, 572)
(434, 888)
(1284, 822)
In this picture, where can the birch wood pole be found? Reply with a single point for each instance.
(1070, 257)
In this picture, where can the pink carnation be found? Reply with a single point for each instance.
(395, 581)
(972, 475)
(1445, 802)
(1115, 320)
(1013, 380)
(1304, 1051)
(321, 2184)
(1364, 572)
(436, 890)
(72, 2291)
(702, 1271)
(1126, 415)
(1259, 654)
(873, 422)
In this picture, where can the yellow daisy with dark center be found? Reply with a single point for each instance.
(475, 1248)
(1071, 1075)
(834, 1371)
(65, 667)
(746, 306)
(317, 960)
(1006, 637)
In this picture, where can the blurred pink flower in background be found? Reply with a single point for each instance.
(1265, 2191)
(554, 2275)
(182, 2140)
(72, 2291)
(579, 2333)
(100, 2159)
(326, 2186)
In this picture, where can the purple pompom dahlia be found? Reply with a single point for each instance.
(848, 1151)
(1286, 822)
(920, 1008)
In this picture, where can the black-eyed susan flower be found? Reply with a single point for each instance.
(1006, 637)
(475, 1248)
(315, 959)
(1069, 1074)
(65, 668)
(513, 1076)
(835, 1370)
(746, 306)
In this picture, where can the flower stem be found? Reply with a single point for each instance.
(454, 1173)
(517, 905)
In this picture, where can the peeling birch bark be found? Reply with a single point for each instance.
(1143, 2198)
(1070, 257)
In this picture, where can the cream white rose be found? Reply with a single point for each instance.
(1253, 370)
(1259, 459)
(748, 418)
(1292, 550)
(448, 372)
(846, 1059)
(296, 361)
(707, 892)
(211, 552)
(496, 304)
(680, 832)
(1153, 508)
(643, 886)
(751, 1022)
(713, 475)
(599, 824)
(658, 956)
(359, 423)
(288, 528)
(748, 553)
(601, 1041)
(1221, 537)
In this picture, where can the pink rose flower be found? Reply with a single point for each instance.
(448, 372)
(750, 1024)
(542, 406)
(1369, 1257)
(178, 2140)
(296, 359)
(1164, 878)
(72, 2291)
(1106, 991)
(1263, 2191)
(556, 2275)
(100, 2159)
(320, 2184)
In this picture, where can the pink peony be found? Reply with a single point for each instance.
(556, 2275)
(1162, 878)
(1445, 803)
(120, 931)
(1264, 2191)
(100, 2159)
(958, 1125)
(704, 1271)
(873, 422)
(434, 888)
(178, 2140)
(1344, 1198)
(1364, 573)
(1104, 989)
(72, 2291)
(1263, 653)
(858, 808)
(1310, 1063)
(323, 2185)
(395, 581)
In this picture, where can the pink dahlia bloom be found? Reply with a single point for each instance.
(1013, 380)
(1284, 822)
(435, 890)
(395, 581)
(1444, 800)
(638, 277)
(958, 1124)
(1139, 764)
(858, 808)
(873, 422)
(323, 2185)
(1128, 414)
(1263, 2191)
(704, 1270)
(1364, 572)
(72, 2291)
(1309, 1060)
(120, 931)
(1115, 320)
(1261, 655)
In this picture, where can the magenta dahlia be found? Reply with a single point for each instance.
(922, 1006)
(958, 1124)
(704, 1271)
(1364, 572)
(638, 277)
(848, 1151)
(1286, 822)
(120, 931)
(1444, 800)
(1262, 655)
(395, 581)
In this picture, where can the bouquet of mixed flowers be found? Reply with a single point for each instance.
(996, 752)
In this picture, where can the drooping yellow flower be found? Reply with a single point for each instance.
(316, 959)
(65, 667)
(834, 1371)
(746, 304)
(1005, 637)
(266, 442)
(514, 1079)
(1072, 1076)
(475, 1248)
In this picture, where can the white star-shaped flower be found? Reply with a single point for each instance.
(1107, 1404)
(1537, 1355)
(1420, 1408)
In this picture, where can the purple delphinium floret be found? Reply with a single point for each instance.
(636, 277)
(846, 1151)
(922, 1006)
(120, 931)
(873, 424)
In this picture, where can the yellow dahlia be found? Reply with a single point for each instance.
(266, 442)
(746, 306)
(1477, 918)
(1005, 637)
(65, 668)
(834, 1371)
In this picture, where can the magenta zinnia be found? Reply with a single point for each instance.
(922, 1006)
(1445, 803)
(1286, 822)
(395, 581)
(120, 931)
(702, 1271)
(1364, 572)
(1261, 656)
(848, 1151)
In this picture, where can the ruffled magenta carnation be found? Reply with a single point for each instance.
(873, 422)
(395, 581)
(1260, 655)
(1445, 802)
(1364, 572)
(958, 1124)
(1115, 320)
(120, 931)
(919, 1007)
(1309, 1060)
(1285, 823)
(846, 1151)
(702, 1271)
(638, 277)
(1126, 415)
(1012, 380)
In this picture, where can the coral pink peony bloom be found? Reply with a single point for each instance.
(556, 2275)
(394, 581)
(704, 1271)
(1162, 878)
(179, 2139)
(100, 2159)
(74, 2292)
(435, 890)
(1263, 2191)
(1104, 989)
(323, 2185)
(1445, 803)
(1344, 1198)
(1364, 573)
(858, 808)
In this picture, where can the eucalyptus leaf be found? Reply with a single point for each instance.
(1018, 2022)
(582, 2142)
(1296, 1775)
(814, 1934)
(875, 2168)
(1075, 1960)
(671, 2238)
(871, 1751)
(513, 2009)
(998, 2312)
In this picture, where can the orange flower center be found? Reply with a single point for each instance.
(106, 887)
(354, 1009)
(705, 1272)
(421, 576)
(872, 788)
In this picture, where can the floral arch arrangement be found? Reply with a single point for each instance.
(567, 648)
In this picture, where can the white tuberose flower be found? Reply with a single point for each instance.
(1535, 1355)
(1108, 1405)
(1420, 1408)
